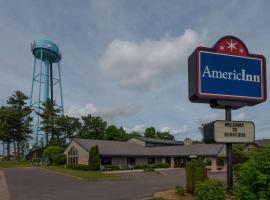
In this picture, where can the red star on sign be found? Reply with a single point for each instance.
(232, 47)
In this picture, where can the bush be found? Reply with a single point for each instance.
(157, 198)
(149, 170)
(162, 165)
(112, 167)
(140, 166)
(78, 167)
(208, 162)
(94, 159)
(179, 190)
(59, 159)
(55, 155)
(253, 176)
(210, 190)
(239, 155)
(195, 172)
(220, 161)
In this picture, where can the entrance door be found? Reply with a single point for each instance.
(168, 160)
(179, 162)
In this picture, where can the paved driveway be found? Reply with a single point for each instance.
(39, 184)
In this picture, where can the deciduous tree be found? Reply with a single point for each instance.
(150, 132)
(93, 128)
(165, 135)
(117, 134)
(67, 126)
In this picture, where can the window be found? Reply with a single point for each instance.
(148, 144)
(131, 161)
(73, 156)
(106, 160)
(151, 161)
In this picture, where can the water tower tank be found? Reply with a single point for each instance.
(46, 81)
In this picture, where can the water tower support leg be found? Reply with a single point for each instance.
(33, 80)
(60, 85)
(40, 82)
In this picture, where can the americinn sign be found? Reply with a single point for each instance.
(228, 72)
(227, 76)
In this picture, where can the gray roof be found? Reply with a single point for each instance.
(263, 142)
(159, 141)
(116, 148)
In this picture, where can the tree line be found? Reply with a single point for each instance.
(16, 127)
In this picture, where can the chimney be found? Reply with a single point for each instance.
(187, 141)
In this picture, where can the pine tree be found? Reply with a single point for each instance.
(94, 159)
(49, 116)
(21, 121)
(6, 119)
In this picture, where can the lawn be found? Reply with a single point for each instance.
(14, 163)
(88, 175)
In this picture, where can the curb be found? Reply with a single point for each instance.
(4, 193)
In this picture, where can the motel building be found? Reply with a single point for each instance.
(145, 151)
(257, 144)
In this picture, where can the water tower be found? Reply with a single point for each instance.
(46, 82)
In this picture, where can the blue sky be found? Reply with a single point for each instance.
(127, 60)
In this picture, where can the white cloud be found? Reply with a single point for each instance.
(106, 113)
(143, 65)
(209, 118)
(181, 131)
(137, 128)
(176, 132)
(217, 116)
(239, 117)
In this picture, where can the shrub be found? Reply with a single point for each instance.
(78, 167)
(94, 159)
(220, 161)
(208, 162)
(112, 167)
(149, 170)
(253, 176)
(55, 155)
(162, 165)
(195, 172)
(140, 166)
(157, 198)
(179, 190)
(210, 190)
(59, 159)
(239, 155)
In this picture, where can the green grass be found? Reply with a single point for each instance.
(157, 198)
(88, 175)
(14, 163)
(151, 170)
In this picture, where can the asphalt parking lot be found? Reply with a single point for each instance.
(39, 184)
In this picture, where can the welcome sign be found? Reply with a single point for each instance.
(221, 131)
(227, 72)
